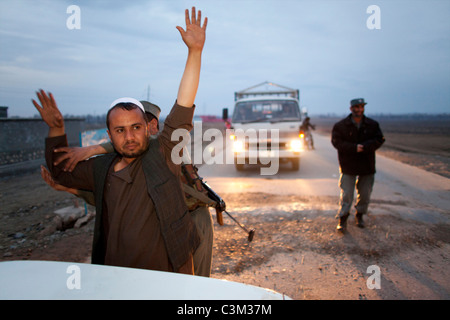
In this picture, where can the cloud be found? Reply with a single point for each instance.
(321, 47)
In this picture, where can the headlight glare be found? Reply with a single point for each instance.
(238, 146)
(296, 145)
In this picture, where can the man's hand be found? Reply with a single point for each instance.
(45, 174)
(195, 34)
(50, 113)
(73, 155)
(194, 38)
(359, 148)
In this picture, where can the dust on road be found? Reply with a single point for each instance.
(299, 253)
(295, 251)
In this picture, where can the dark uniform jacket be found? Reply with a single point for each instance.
(346, 136)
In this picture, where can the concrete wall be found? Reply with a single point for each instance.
(24, 139)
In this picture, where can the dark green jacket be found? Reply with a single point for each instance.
(177, 228)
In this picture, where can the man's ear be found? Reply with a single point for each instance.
(153, 127)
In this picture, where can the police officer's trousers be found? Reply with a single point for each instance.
(347, 184)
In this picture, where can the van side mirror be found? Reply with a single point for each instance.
(225, 114)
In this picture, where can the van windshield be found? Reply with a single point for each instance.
(266, 111)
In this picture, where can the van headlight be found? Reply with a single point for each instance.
(296, 145)
(238, 146)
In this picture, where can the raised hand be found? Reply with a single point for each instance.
(194, 35)
(73, 155)
(45, 174)
(194, 38)
(49, 112)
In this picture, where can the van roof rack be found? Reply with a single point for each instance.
(270, 89)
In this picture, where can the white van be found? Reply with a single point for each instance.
(266, 126)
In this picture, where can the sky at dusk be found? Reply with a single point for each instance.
(396, 58)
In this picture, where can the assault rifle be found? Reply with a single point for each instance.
(212, 198)
(220, 207)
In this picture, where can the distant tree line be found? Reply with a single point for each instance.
(395, 117)
(413, 116)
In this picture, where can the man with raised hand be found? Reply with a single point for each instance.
(141, 218)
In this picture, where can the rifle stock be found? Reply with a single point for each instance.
(219, 217)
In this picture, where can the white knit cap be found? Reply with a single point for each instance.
(128, 100)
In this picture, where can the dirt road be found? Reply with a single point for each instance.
(296, 250)
(406, 237)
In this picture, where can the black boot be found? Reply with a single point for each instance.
(359, 220)
(342, 223)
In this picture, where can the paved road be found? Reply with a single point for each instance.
(425, 195)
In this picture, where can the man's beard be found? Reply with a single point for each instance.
(134, 154)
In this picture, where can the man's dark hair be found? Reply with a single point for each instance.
(126, 106)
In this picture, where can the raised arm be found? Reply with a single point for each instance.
(85, 195)
(73, 155)
(50, 113)
(81, 177)
(194, 38)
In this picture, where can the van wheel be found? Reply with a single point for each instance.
(295, 164)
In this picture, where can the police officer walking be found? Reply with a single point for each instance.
(356, 139)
